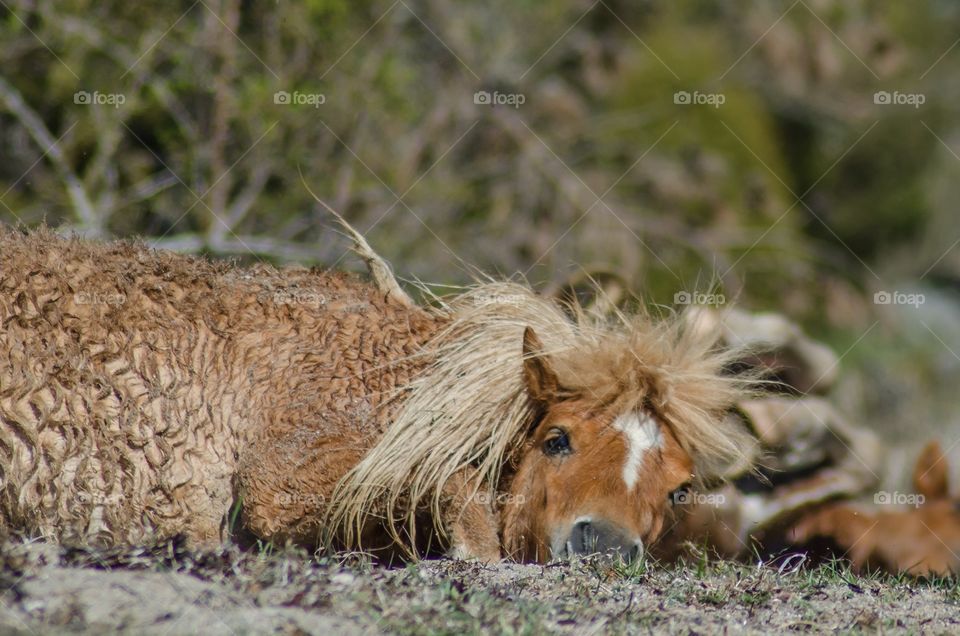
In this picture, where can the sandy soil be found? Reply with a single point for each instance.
(170, 590)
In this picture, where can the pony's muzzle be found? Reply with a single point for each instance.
(600, 537)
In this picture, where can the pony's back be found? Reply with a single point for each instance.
(132, 381)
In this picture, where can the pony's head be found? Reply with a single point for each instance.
(593, 476)
(582, 428)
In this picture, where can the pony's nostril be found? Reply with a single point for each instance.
(585, 538)
(592, 537)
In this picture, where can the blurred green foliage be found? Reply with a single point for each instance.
(798, 192)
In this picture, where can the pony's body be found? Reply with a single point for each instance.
(145, 394)
(134, 384)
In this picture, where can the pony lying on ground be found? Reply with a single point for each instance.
(813, 488)
(920, 539)
(145, 394)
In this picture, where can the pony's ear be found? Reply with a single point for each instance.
(542, 383)
(930, 473)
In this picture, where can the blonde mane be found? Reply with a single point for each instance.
(470, 408)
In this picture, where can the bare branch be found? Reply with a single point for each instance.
(275, 249)
(146, 188)
(243, 202)
(91, 224)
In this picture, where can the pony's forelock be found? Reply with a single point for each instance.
(470, 408)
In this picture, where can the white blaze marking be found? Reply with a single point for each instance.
(642, 433)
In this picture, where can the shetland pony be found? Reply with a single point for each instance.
(145, 394)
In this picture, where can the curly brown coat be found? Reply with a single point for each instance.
(134, 384)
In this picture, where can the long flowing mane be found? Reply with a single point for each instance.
(470, 407)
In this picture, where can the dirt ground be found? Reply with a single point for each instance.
(170, 590)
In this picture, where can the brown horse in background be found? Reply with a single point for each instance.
(919, 536)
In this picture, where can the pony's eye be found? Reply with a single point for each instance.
(557, 444)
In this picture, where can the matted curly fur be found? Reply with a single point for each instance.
(145, 394)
